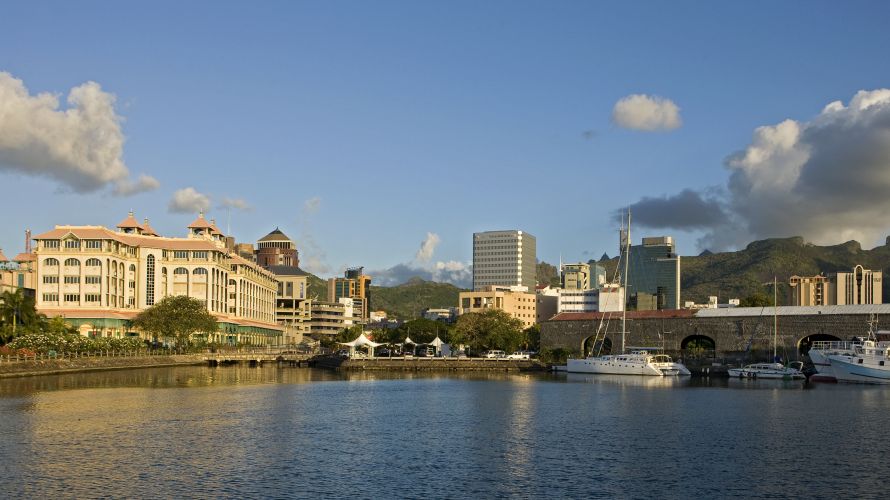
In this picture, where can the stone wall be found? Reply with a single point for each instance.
(729, 334)
(68, 365)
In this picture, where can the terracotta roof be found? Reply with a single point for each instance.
(148, 230)
(665, 313)
(3, 257)
(214, 228)
(24, 257)
(99, 232)
(275, 235)
(200, 223)
(130, 222)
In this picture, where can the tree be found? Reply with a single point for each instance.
(17, 311)
(490, 329)
(420, 330)
(532, 340)
(757, 299)
(176, 317)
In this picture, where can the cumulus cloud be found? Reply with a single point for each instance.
(235, 203)
(144, 183)
(825, 179)
(647, 113)
(81, 146)
(427, 248)
(188, 200)
(457, 273)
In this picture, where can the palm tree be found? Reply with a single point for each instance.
(11, 305)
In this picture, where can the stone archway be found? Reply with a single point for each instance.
(596, 347)
(803, 345)
(698, 346)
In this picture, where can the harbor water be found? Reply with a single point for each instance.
(190, 432)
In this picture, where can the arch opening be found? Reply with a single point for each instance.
(804, 344)
(698, 346)
(596, 347)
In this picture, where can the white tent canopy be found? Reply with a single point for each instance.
(359, 342)
(408, 341)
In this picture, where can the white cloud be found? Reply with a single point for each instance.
(427, 248)
(648, 113)
(825, 179)
(236, 203)
(144, 183)
(188, 200)
(81, 146)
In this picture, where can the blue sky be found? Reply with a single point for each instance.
(359, 128)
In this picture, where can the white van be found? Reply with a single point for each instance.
(494, 354)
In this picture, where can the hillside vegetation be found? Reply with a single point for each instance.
(409, 299)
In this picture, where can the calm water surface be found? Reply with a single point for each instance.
(269, 432)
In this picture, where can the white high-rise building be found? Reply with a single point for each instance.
(504, 258)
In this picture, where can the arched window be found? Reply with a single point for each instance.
(51, 262)
(150, 280)
(180, 270)
(132, 268)
(72, 262)
(164, 271)
(199, 270)
(94, 263)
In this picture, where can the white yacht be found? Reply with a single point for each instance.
(638, 361)
(819, 354)
(767, 371)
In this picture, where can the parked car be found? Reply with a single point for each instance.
(519, 355)
(494, 354)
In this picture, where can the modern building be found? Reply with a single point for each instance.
(712, 304)
(99, 279)
(444, 314)
(354, 285)
(810, 290)
(576, 276)
(547, 302)
(654, 268)
(515, 301)
(329, 318)
(860, 286)
(504, 258)
(608, 298)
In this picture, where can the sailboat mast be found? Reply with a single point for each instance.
(775, 318)
(626, 260)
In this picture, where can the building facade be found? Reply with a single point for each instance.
(860, 286)
(354, 285)
(99, 279)
(329, 318)
(515, 301)
(608, 298)
(504, 258)
(276, 249)
(654, 268)
(576, 276)
(810, 290)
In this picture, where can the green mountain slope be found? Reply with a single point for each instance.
(409, 299)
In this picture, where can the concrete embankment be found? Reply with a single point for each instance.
(430, 364)
(86, 364)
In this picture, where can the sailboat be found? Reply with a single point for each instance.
(774, 370)
(636, 362)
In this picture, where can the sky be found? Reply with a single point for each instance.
(383, 134)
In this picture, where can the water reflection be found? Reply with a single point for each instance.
(269, 432)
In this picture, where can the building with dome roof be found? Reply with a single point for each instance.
(276, 249)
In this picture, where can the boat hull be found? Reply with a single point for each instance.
(847, 370)
(764, 374)
(824, 371)
(612, 367)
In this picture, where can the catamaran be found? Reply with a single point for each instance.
(633, 361)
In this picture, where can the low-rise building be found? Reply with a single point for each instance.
(513, 300)
(607, 298)
(329, 318)
(445, 314)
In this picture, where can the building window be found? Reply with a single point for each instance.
(51, 244)
(199, 270)
(93, 280)
(72, 243)
(150, 280)
(72, 262)
(94, 263)
(50, 279)
(72, 280)
(92, 297)
(94, 244)
(50, 297)
(199, 255)
(51, 262)
(180, 270)
(181, 255)
(72, 297)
